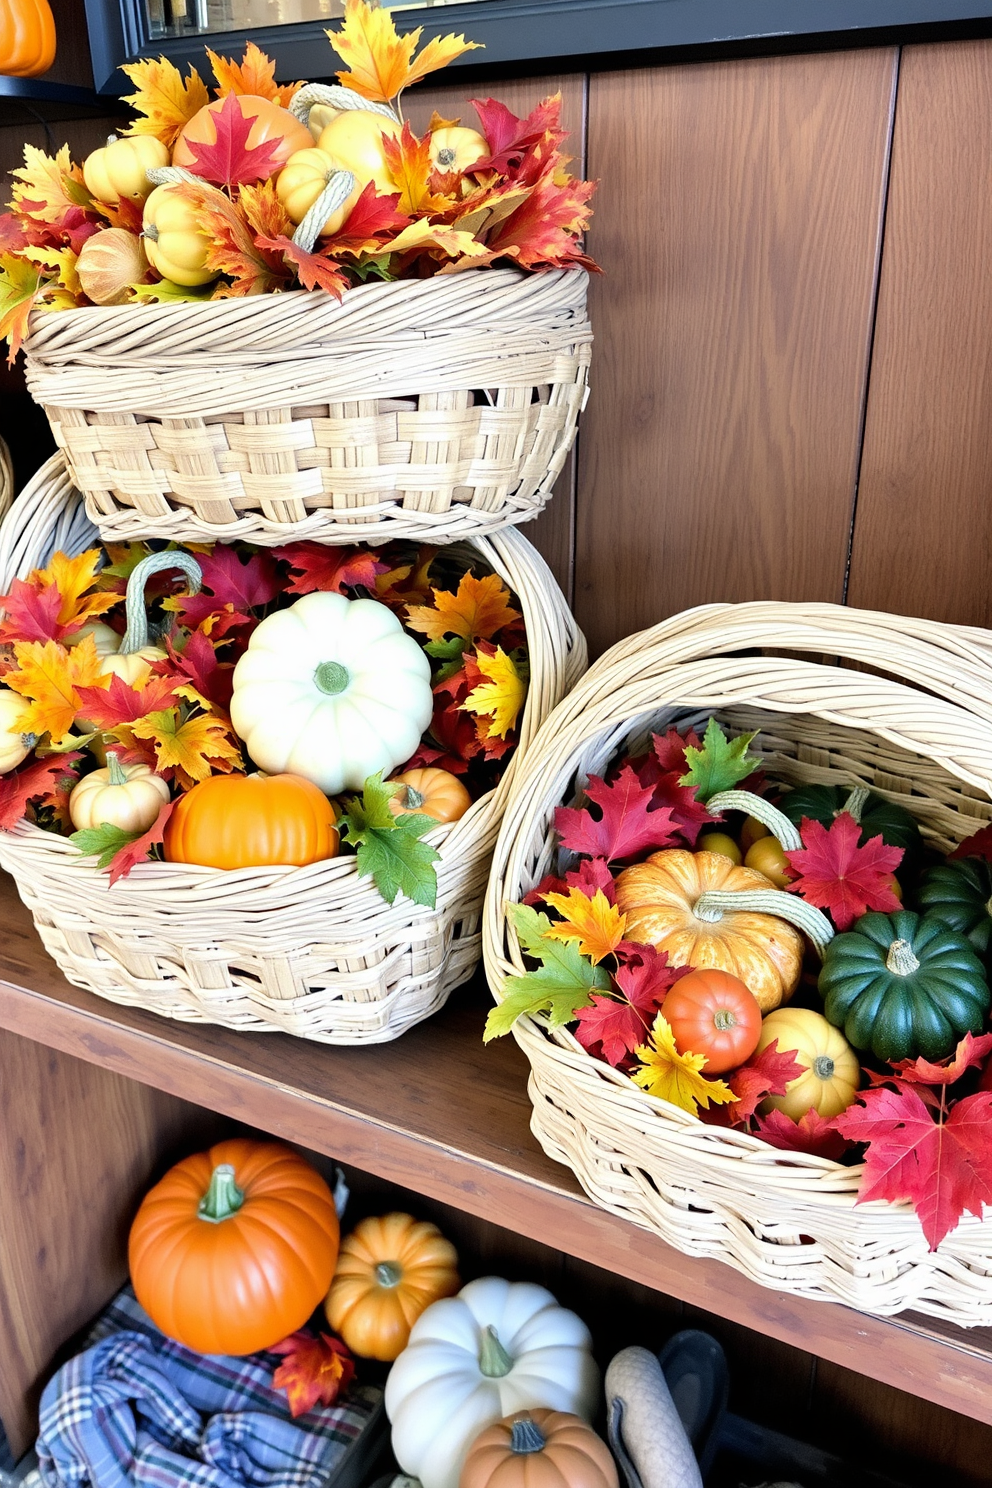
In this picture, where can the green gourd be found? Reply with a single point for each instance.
(878, 817)
(959, 894)
(901, 985)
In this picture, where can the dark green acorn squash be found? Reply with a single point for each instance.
(901, 985)
(878, 817)
(958, 893)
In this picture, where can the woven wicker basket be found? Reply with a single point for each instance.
(786, 1220)
(437, 409)
(6, 478)
(313, 951)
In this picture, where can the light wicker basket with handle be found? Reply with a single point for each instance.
(435, 409)
(787, 1220)
(313, 951)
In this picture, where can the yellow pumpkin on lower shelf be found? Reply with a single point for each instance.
(390, 1269)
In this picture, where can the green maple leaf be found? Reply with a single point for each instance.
(560, 988)
(388, 847)
(103, 842)
(720, 764)
(164, 292)
(449, 651)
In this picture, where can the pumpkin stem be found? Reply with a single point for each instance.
(855, 803)
(223, 1198)
(388, 1274)
(723, 1019)
(331, 677)
(136, 633)
(823, 1067)
(494, 1361)
(709, 913)
(526, 1437)
(412, 800)
(900, 961)
(116, 774)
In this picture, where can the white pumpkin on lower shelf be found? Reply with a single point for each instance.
(496, 1348)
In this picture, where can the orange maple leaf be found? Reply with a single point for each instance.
(408, 581)
(47, 186)
(254, 74)
(409, 162)
(165, 99)
(315, 1372)
(545, 229)
(479, 609)
(267, 217)
(595, 923)
(382, 62)
(47, 675)
(73, 577)
(194, 748)
(233, 249)
(21, 287)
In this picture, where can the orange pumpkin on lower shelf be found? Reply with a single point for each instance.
(538, 1449)
(252, 821)
(389, 1271)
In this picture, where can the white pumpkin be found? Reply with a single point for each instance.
(496, 1348)
(126, 796)
(15, 745)
(332, 689)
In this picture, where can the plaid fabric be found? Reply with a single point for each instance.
(135, 1410)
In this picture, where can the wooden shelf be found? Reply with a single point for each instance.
(442, 1114)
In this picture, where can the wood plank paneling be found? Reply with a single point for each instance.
(923, 533)
(737, 219)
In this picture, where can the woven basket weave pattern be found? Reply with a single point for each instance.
(786, 1220)
(434, 409)
(313, 951)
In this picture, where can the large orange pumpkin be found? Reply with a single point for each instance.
(538, 1449)
(272, 123)
(252, 821)
(389, 1271)
(659, 898)
(27, 38)
(235, 1247)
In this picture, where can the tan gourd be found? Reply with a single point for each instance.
(125, 796)
(109, 263)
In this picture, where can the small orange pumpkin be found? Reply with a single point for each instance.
(273, 125)
(27, 38)
(235, 1247)
(389, 1271)
(436, 793)
(252, 821)
(538, 1449)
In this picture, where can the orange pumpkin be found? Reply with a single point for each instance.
(27, 38)
(389, 1271)
(436, 793)
(272, 124)
(538, 1449)
(235, 1247)
(252, 821)
(659, 898)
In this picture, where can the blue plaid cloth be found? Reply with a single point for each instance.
(135, 1410)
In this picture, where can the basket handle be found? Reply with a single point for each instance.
(136, 633)
(336, 97)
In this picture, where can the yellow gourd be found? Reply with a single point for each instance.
(457, 148)
(832, 1069)
(175, 246)
(722, 843)
(301, 181)
(767, 856)
(13, 748)
(119, 168)
(354, 142)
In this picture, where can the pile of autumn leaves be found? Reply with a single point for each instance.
(177, 722)
(519, 206)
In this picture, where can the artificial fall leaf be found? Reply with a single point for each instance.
(560, 988)
(509, 138)
(920, 1071)
(229, 160)
(21, 285)
(596, 925)
(73, 578)
(62, 289)
(165, 100)
(458, 740)
(47, 186)
(408, 581)
(389, 849)
(227, 581)
(476, 612)
(613, 1027)
(767, 1073)
(316, 1370)
(409, 163)
(942, 1166)
(545, 229)
(591, 875)
(194, 749)
(978, 845)
(233, 247)
(107, 707)
(124, 213)
(720, 764)
(120, 856)
(164, 292)
(255, 74)
(42, 782)
(837, 875)
(380, 62)
(48, 676)
(13, 236)
(487, 205)
(265, 212)
(424, 236)
(626, 824)
(811, 1133)
(314, 270)
(644, 971)
(501, 698)
(314, 566)
(369, 220)
(196, 674)
(670, 1076)
(31, 613)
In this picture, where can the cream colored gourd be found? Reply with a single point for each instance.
(132, 666)
(175, 246)
(332, 689)
(15, 745)
(496, 1348)
(119, 168)
(301, 181)
(353, 140)
(457, 148)
(126, 796)
(640, 1412)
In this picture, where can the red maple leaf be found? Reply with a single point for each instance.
(454, 732)
(645, 971)
(810, 1134)
(314, 270)
(371, 217)
(546, 228)
(229, 160)
(593, 874)
(134, 852)
(838, 875)
(12, 234)
(44, 782)
(197, 664)
(509, 138)
(549, 885)
(612, 1027)
(227, 582)
(942, 1165)
(625, 824)
(662, 769)
(978, 845)
(32, 614)
(331, 570)
(767, 1073)
(920, 1071)
(315, 1371)
(107, 707)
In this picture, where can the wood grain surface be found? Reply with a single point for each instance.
(923, 535)
(737, 221)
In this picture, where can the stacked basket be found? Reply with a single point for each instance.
(441, 411)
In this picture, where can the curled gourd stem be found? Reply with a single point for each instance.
(336, 97)
(526, 1437)
(175, 175)
(339, 187)
(714, 904)
(763, 811)
(136, 634)
(855, 803)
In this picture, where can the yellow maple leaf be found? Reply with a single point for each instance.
(478, 609)
(164, 98)
(381, 61)
(450, 241)
(676, 1077)
(595, 923)
(73, 577)
(501, 698)
(46, 186)
(64, 291)
(21, 287)
(195, 748)
(254, 74)
(47, 676)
